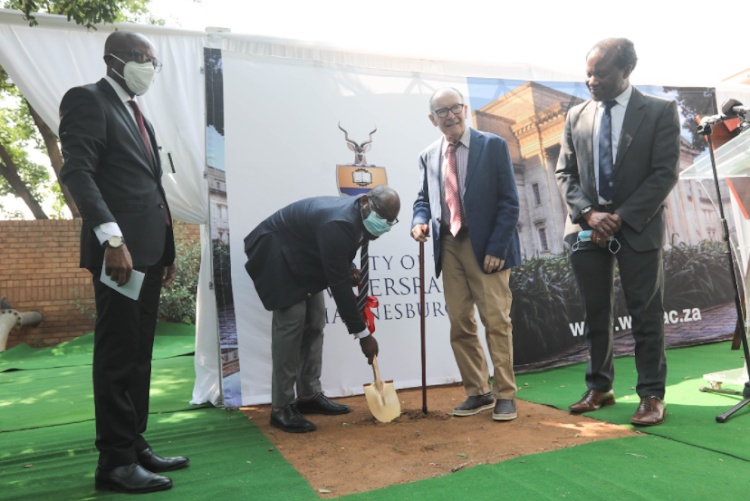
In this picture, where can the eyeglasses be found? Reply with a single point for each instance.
(456, 109)
(376, 209)
(141, 57)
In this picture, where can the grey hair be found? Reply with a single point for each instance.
(626, 55)
(442, 91)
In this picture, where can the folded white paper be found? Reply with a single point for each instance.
(131, 288)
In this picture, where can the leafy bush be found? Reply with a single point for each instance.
(177, 302)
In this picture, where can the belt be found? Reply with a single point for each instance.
(607, 208)
(446, 230)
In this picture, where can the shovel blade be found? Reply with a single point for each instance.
(385, 407)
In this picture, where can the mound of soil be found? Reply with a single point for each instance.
(355, 453)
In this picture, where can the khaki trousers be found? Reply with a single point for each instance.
(467, 285)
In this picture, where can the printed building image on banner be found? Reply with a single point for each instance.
(547, 313)
(219, 210)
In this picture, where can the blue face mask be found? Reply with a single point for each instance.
(376, 225)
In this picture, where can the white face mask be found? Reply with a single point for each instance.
(138, 77)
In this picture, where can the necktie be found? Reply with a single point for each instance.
(452, 197)
(364, 277)
(141, 125)
(144, 135)
(606, 165)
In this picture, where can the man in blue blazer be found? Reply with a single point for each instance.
(467, 193)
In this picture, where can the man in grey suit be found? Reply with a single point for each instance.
(293, 256)
(619, 161)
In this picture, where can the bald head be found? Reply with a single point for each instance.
(387, 200)
(125, 40)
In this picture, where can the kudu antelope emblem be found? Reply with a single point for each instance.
(359, 150)
(359, 177)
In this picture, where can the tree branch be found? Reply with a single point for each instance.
(55, 157)
(9, 171)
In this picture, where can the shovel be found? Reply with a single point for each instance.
(381, 397)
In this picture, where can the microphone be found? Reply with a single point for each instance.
(733, 108)
(714, 119)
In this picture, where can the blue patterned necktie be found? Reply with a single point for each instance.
(606, 165)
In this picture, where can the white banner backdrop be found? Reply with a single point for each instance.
(282, 145)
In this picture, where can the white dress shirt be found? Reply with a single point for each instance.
(618, 116)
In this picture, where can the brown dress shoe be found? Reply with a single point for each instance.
(593, 400)
(650, 412)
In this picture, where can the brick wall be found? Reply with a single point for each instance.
(39, 272)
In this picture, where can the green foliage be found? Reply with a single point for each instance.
(87, 13)
(177, 303)
(18, 136)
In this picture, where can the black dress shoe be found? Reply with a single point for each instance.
(290, 420)
(321, 405)
(130, 479)
(157, 464)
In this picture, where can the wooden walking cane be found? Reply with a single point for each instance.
(421, 321)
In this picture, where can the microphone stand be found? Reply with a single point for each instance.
(707, 130)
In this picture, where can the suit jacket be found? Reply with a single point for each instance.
(112, 177)
(305, 248)
(491, 205)
(646, 167)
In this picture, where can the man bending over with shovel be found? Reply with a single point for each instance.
(293, 256)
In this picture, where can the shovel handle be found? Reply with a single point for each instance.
(376, 372)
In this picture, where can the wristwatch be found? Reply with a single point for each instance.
(115, 242)
(586, 210)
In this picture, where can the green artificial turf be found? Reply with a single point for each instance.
(690, 413)
(628, 469)
(46, 397)
(171, 340)
(229, 460)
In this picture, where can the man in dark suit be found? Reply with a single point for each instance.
(113, 172)
(468, 193)
(619, 161)
(293, 256)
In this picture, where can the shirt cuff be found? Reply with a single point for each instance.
(106, 230)
(363, 334)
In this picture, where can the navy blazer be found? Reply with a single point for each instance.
(305, 248)
(112, 176)
(491, 203)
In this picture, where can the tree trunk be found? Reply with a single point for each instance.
(55, 157)
(9, 171)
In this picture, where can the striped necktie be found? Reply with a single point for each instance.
(364, 277)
